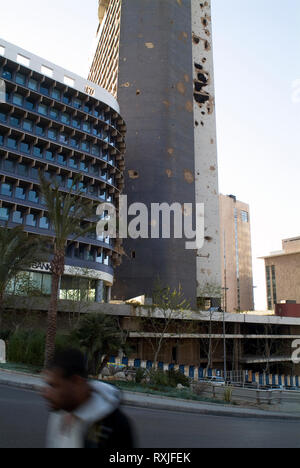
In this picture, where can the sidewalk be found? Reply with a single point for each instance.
(32, 382)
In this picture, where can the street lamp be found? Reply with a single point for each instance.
(224, 335)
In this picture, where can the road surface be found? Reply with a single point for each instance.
(23, 421)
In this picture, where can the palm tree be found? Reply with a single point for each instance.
(100, 336)
(70, 216)
(18, 252)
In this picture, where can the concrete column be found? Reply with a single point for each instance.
(99, 291)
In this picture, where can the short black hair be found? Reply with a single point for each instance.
(71, 362)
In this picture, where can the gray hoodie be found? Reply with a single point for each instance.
(67, 430)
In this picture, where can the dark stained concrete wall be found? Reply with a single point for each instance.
(155, 93)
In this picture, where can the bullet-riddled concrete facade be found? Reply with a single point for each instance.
(167, 99)
(206, 161)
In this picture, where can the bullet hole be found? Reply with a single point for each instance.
(181, 88)
(133, 255)
(208, 239)
(199, 67)
(203, 113)
(138, 92)
(204, 60)
(133, 174)
(188, 176)
(149, 45)
(202, 123)
(201, 98)
(204, 21)
(189, 106)
(197, 123)
(196, 39)
(212, 168)
(207, 45)
(169, 173)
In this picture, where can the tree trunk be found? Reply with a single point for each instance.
(1, 308)
(57, 267)
(103, 364)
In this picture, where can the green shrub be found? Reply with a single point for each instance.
(228, 394)
(28, 346)
(140, 375)
(158, 377)
(176, 377)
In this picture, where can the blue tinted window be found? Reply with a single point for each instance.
(73, 163)
(45, 89)
(42, 109)
(8, 165)
(55, 94)
(95, 150)
(2, 117)
(52, 134)
(6, 189)
(84, 166)
(20, 193)
(7, 74)
(29, 104)
(33, 196)
(49, 156)
(62, 138)
(28, 125)
(70, 183)
(86, 127)
(102, 194)
(76, 123)
(44, 223)
(74, 143)
(12, 143)
(39, 130)
(38, 151)
(34, 172)
(4, 214)
(17, 217)
(61, 159)
(66, 99)
(65, 118)
(25, 147)
(31, 220)
(32, 84)
(85, 146)
(77, 103)
(15, 121)
(54, 114)
(20, 79)
(22, 169)
(18, 99)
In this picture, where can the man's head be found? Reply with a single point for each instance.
(66, 380)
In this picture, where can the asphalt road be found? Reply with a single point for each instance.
(23, 421)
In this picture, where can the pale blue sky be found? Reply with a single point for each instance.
(257, 58)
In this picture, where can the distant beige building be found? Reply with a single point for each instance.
(283, 273)
(236, 255)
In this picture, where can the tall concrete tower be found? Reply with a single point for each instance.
(156, 57)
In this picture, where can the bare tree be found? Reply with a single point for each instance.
(169, 315)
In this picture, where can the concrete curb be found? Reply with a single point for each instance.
(182, 406)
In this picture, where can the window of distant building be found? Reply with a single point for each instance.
(245, 216)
